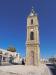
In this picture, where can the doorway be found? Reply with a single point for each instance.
(32, 57)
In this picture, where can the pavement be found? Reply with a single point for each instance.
(52, 67)
(41, 69)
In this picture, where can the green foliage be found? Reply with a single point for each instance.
(0, 52)
(11, 49)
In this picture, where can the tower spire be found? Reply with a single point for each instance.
(32, 13)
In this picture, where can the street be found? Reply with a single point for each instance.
(52, 67)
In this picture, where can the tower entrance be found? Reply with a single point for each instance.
(32, 57)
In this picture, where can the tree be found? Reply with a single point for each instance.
(0, 52)
(11, 49)
(11, 59)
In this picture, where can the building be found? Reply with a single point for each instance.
(44, 60)
(52, 60)
(7, 56)
(32, 41)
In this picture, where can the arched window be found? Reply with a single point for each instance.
(32, 36)
(31, 21)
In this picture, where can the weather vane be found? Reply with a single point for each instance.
(33, 10)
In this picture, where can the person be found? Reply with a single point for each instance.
(23, 63)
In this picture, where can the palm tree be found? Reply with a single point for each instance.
(11, 49)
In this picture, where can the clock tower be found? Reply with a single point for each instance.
(32, 40)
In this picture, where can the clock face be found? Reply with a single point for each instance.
(31, 29)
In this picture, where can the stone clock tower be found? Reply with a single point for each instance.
(32, 40)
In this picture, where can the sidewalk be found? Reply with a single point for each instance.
(24, 70)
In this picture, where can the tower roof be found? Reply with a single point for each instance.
(32, 13)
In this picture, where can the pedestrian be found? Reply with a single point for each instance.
(23, 62)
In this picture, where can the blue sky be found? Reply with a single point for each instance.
(13, 15)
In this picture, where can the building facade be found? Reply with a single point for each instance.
(7, 57)
(32, 41)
